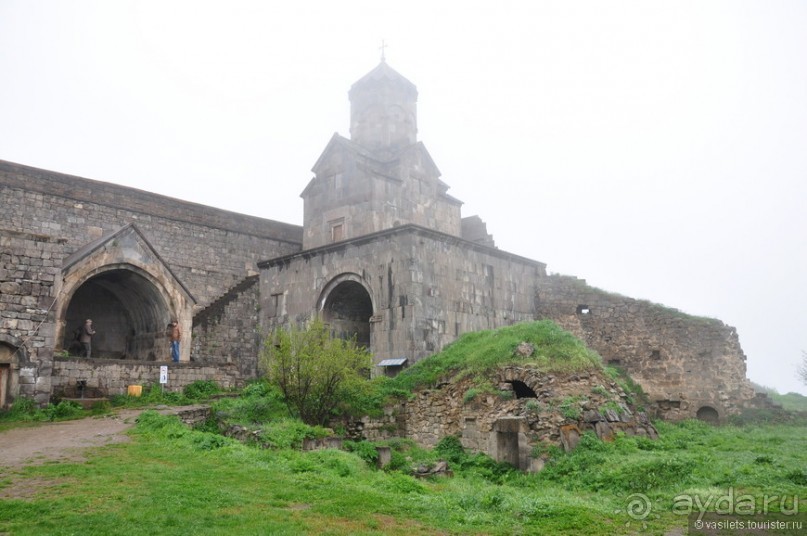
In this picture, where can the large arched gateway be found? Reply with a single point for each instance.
(131, 295)
(346, 307)
(129, 312)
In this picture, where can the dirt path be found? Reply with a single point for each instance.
(20, 447)
(62, 441)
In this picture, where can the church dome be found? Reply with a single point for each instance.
(383, 110)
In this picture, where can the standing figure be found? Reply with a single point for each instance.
(176, 335)
(85, 338)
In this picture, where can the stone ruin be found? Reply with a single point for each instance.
(529, 412)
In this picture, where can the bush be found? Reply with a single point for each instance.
(63, 410)
(22, 409)
(201, 389)
(364, 450)
(290, 433)
(450, 448)
(314, 371)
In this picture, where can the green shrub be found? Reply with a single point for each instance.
(290, 433)
(450, 448)
(210, 441)
(63, 410)
(798, 477)
(201, 389)
(364, 450)
(400, 483)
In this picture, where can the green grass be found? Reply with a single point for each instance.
(474, 353)
(791, 401)
(173, 480)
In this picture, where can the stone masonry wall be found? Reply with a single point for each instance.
(682, 362)
(419, 305)
(506, 427)
(227, 330)
(28, 267)
(209, 249)
(112, 377)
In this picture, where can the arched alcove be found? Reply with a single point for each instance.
(522, 390)
(346, 309)
(708, 414)
(129, 315)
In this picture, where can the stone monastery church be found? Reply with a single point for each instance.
(384, 254)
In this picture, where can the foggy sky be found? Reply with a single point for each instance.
(655, 149)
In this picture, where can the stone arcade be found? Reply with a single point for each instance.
(384, 255)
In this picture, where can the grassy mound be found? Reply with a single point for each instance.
(473, 354)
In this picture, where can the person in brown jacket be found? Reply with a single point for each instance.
(85, 338)
(176, 335)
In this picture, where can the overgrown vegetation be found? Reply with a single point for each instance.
(314, 371)
(25, 410)
(475, 353)
(167, 478)
(789, 401)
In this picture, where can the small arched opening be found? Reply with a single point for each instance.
(522, 390)
(708, 414)
(8, 373)
(129, 316)
(347, 310)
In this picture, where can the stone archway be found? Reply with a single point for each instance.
(346, 307)
(708, 414)
(131, 294)
(129, 311)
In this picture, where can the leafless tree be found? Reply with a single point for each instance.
(803, 368)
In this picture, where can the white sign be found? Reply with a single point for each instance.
(164, 374)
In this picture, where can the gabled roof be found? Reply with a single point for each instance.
(383, 73)
(381, 159)
(119, 236)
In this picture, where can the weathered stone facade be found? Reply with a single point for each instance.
(415, 305)
(74, 248)
(227, 331)
(113, 376)
(532, 409)
(685, 364)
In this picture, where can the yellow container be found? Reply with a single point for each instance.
(135, 390)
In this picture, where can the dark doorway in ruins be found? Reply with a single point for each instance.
(522, 390)
(129, 316)
(347, 312)
(708, 414)
(7, 361)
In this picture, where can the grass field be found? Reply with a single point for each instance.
(172, 480)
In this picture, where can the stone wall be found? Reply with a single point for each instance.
(28, 268)
(109, 377)
(683, 363)
(507, 423)
(49, 217)
(227, 330)
(418, 305)
(209, 249)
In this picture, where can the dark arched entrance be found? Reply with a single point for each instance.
(522, 390)
(347, 311)
(129, 316)
(708, 414)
